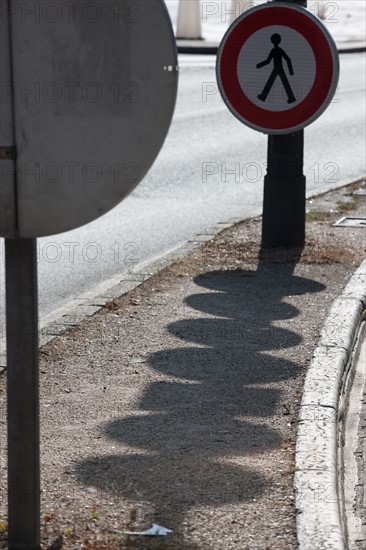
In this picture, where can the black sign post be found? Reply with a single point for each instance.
(283, 222)
(22, 394)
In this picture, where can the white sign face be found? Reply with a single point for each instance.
(277, 68)
(93, 94)
(284, 89)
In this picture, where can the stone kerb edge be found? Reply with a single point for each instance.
(318, 515)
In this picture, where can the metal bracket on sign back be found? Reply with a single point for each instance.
(8, 153)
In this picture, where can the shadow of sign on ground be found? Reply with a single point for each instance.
(201, 419)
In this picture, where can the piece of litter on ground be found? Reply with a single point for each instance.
(155, 530)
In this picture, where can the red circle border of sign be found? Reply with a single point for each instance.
(259, 118)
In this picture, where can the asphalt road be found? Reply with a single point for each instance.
(210, 169)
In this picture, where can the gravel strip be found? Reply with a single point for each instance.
(178, 403)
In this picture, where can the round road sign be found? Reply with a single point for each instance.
(92, 95)
(277, 68)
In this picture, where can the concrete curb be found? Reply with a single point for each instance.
(317, 501)
(90, 302)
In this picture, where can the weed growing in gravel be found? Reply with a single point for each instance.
(345, 206)
(318, 215)
(94, 514)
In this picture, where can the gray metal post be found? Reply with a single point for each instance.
(283, 222)
(23, 395)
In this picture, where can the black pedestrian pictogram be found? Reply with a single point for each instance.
(277, 54)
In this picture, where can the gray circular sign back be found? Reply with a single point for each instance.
(94, 89)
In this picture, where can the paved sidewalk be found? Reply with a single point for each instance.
(177, 403)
